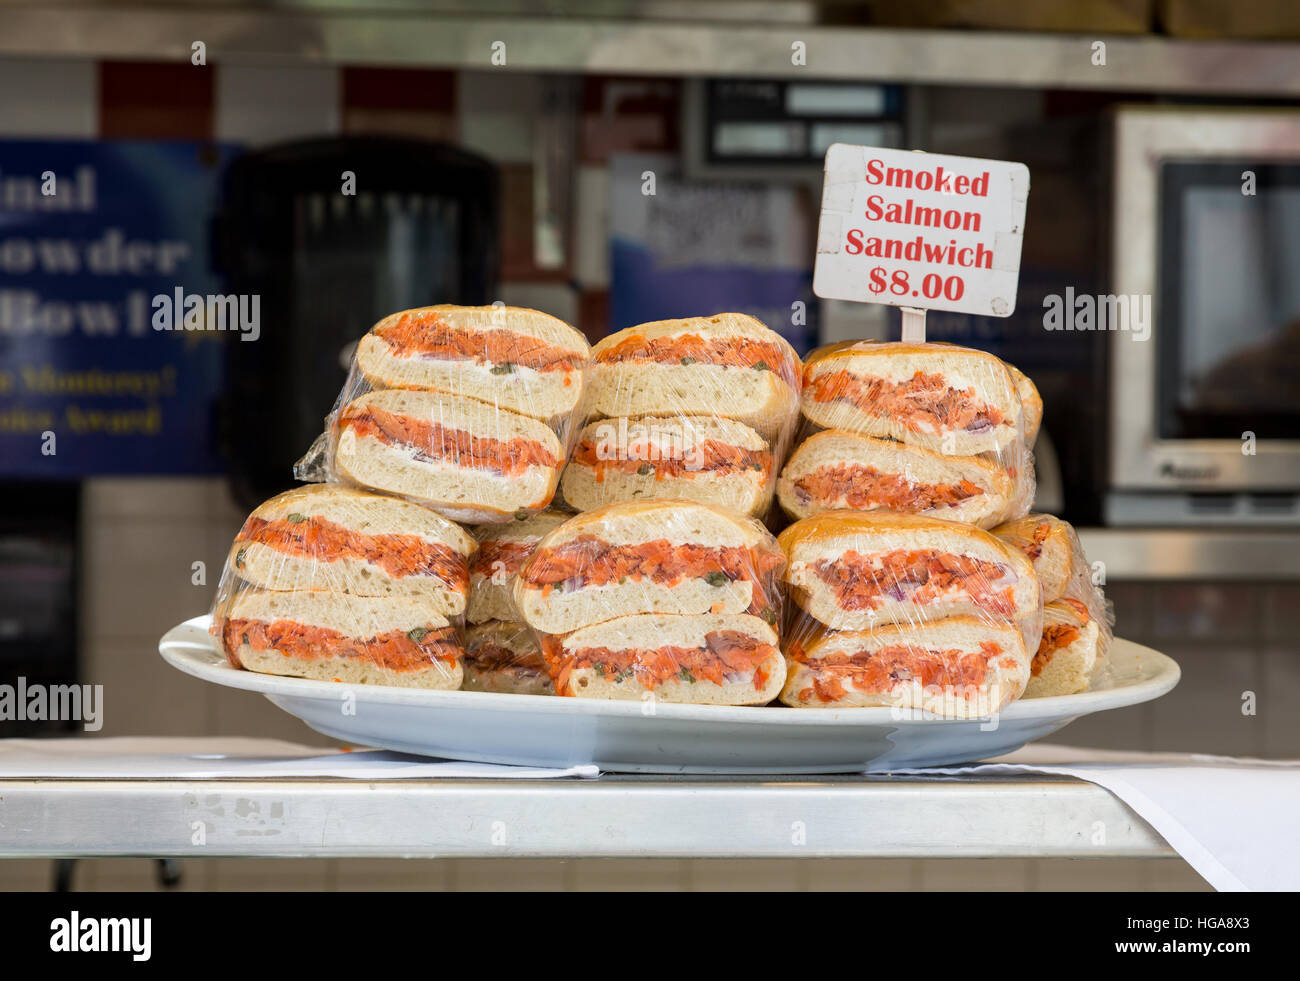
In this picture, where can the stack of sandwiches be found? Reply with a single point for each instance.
(909, 612)
(700, 409)
(1076, 627)
(930, 429)
(674, 600)
(501, 653)
(463, 409)
(337, 584)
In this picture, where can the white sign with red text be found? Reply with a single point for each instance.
(921, 230)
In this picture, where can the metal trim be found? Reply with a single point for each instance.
(649, 47)
(610, 817)
(1143, 139)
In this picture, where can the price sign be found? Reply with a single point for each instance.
(921, 230)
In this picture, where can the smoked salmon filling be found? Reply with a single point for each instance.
(319, 538)
(728, 656)
(863, 487)
(434, 443)
(495, 657)
(589, 561)
(430, 336)
(709, 456)
(879, 671)
(923, 404)
(1055, 637)
(503, 557)
(396, 650)
(688, 349)
(861, 582)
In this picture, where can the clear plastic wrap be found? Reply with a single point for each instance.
(675, 600)
(502, 549)
(466, 410)
(1077, 628)
(700, 409)
(503, 656)
(909, 612)
(930, 429)
(337, 584)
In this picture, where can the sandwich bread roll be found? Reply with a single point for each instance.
(325, 537)
(952, 400)
(1072, 648)
(706, 659)
(960, 667)
(522, 360)
(1051, 544)
(389, 640)
(468, 460)
(727, 365)
(854, 571)
(837, 470)
(700, 458)
(503, 657)
(502, 550)
(674, 556)
(1030, 402)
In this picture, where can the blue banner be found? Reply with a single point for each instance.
(104, 264)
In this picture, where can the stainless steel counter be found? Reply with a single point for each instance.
(613, 816)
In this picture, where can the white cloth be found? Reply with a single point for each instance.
(203, 758)
(1235, 821)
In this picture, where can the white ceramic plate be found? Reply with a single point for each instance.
(641, 737)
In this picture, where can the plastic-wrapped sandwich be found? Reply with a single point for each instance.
(465, 410)
(338, 584)
(503, 656)
(1076, 626)
(389, 640)
(953, 400)
(930, 428)
(329, 538)
(701, 409)
(906, 611)
(837, 470)
(674, 597)
(502, 549)
(677, 557)
(522, 360)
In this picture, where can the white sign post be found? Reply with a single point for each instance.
(921, 231)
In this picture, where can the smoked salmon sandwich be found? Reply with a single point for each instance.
(836, 470)
(728, 365)
(502, 549)
(1053, 547)
(503, 657)
(674, 556)
(961, 667)
(712, 658)
(468, 460)
(1076, 626)
(389, 640)
(522, 360)
(699, 458)
(1072, 649)
(337, 539)
(949, 399)
(853, 571)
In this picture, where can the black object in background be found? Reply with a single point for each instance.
(418, 225)
(38, 594)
